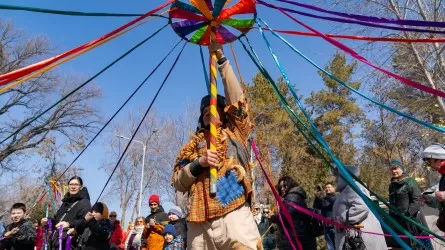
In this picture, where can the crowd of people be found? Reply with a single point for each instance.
(226, 219)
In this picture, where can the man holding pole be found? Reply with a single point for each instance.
(221, 218)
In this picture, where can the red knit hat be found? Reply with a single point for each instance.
(154, 198)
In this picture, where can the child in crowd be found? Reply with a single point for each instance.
(38, 242)
(175, 216)
(95, 229)
(126, 234)
(172, 240)
(21, 233)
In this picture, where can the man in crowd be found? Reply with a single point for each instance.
(324, 202)
(116, 236)
(267, 231)
(156, 222)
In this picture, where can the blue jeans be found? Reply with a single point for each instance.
(329, 236)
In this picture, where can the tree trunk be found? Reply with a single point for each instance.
(419, 60)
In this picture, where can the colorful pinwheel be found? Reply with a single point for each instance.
(193, 22)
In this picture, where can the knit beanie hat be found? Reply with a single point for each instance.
(154, 198)
(435, 151)
(176, 210)
(205, 102)
(102, 208)
(169, 229)
(398, 164)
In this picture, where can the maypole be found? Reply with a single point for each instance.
(213, 111)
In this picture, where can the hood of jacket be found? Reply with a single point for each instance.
(82, 194)
(116, 223)
(341, 184)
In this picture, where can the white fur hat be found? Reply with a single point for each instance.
(435, 151)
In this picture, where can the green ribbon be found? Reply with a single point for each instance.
(293, 116)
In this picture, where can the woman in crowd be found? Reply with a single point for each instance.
(135, 240)
(293, 194)
(75, 205)
(350, 210)
(126, 234)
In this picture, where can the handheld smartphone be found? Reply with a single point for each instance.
(428, 192)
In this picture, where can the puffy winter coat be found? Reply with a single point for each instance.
(154, 236)
(176, 244)
(116, 236)
(297, 196)
(350, 209)
(95, 234)
(38, 242)
(73, 210)
(23, 240)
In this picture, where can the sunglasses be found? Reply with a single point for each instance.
(266, 212)
(112, 216)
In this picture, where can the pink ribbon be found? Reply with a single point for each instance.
(339, 225)
(283, 208)
(311, 213)
(361, 58)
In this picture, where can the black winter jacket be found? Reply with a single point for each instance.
(159, 216)
(76, 207)
(95, 234)
(181, 228)
(405, 195)
(23, 240)
(325, 204)
(297, 196)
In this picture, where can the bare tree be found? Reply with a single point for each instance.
(422, 62)
(69, 122)
(164, 136)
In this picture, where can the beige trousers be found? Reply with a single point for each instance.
(235, 230)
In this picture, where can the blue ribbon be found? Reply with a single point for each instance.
(53, 202)
(206, 75)
(426, 124)
(344, 173)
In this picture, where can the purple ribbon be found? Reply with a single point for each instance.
(344, 20)
(50, 226)
(68, 242)
(60, 236)
(372, 19)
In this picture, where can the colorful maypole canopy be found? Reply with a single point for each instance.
(193, 22)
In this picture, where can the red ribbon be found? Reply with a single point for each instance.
(363, 38)
(11, 76)
(360, 58)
